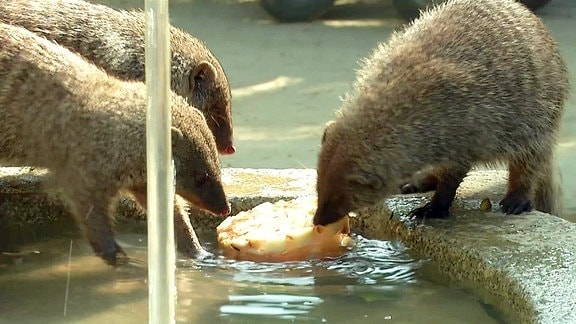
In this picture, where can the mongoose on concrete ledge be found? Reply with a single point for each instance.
(469, 82)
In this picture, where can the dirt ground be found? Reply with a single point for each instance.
(287, 78)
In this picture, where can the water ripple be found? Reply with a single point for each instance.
(382, 265)
(368, 262)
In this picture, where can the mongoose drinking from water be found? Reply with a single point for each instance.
(470, 82)
(60, 112)
(114, 40)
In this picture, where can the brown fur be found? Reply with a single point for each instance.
(114, 40)
(471, 81)
(89, 129)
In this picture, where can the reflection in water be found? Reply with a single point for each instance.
(283, 306)
(376, 261)
(373, 281)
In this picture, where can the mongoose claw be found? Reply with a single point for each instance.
(196, 252)
(429, 210)
(203, 255)
(515, 203)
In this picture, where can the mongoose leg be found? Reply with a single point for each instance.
(421, 181)
(449, 178)
(187, 241)
(92, 213)
(548, 191)
(521, 180)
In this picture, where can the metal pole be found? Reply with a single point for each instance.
(161, 252)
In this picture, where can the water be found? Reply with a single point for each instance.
(375, 281)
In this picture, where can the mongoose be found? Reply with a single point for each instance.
(114, 40)
(63, 113)
(469, 82)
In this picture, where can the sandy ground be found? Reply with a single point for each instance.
(287, 78)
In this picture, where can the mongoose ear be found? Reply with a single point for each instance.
(204, 71)
(327, 129)
(366, 179)
(177, 133)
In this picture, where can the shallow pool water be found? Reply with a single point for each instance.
(375, 281)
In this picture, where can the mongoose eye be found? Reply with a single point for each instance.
(215, 120)
(201, 179)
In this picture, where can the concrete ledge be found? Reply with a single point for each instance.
(525, 265)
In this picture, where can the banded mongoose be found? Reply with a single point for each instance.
(469, 82)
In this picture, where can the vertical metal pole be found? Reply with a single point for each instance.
(161, 252)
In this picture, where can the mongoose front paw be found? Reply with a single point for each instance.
(515, 203)
(113, 257)
(429, 210)
(197, 253)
